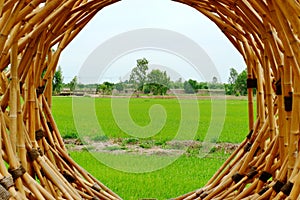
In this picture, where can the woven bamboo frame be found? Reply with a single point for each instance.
(265, 166)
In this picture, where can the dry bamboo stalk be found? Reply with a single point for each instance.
(13, 97)
(53, 124)
(56, 180)
(13, 163)
(226, 163)
(4, 171)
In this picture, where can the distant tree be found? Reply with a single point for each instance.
(105, 88)
(232, 76)
(119, 86)
(73, 84)
(230, 87)
(178, 84)
(57, 82)
(101, 88)
(240, 85)
(138, 74)
(159, 77)
(158, 82)
(202, 85)
(190, 86)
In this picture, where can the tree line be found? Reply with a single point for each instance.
(155, 82)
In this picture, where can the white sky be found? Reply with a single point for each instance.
(128, 15)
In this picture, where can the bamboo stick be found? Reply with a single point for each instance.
(13, 97)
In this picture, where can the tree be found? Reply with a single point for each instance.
(105, 88)
(139, 74)
(159, 77)
(202, 85)
(73, 84)
(119, 86)
(190, 86)
(230, 87)
(158, 82)
(240, 86)
(57, 82)
(232, 76)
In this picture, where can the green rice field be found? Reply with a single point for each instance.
(100, 120)
(96, 118)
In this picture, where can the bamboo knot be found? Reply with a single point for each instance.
(250, 135)
(4, 194)
(39, 134)
(265, 176)
(263, 190)
(277, 186)
(3, 35)
(251, 83)
(69, 177)
(287, 188)
(248, 147)
(40, 90)
(96, 187)
(50, 126)
(288, 103)
(33, 154)
(278, 87)
(7, 182)
(237, 177)
(202, 196)
(253, 172)
(17, 173)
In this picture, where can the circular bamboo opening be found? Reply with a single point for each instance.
(266, 33)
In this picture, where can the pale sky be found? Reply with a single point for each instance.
(130, 15)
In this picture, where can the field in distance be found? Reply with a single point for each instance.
(189, 172)
(96, 117)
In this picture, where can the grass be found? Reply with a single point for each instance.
(184, 175)
(97, 118)
(159, 176)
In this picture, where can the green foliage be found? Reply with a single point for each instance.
(202, 85)
(178, 84)
(73, 84)
(158, 82)
(237, 83)
(105, 88)
(240, 86)
(158, 77)
(57, 81)
(190, 86)
(100, 138)
(155, 89)
(155, 82)
(232, 76)
(119, 86)
(138, 74)
(130, 141)
(146, 144)
(70, 135)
